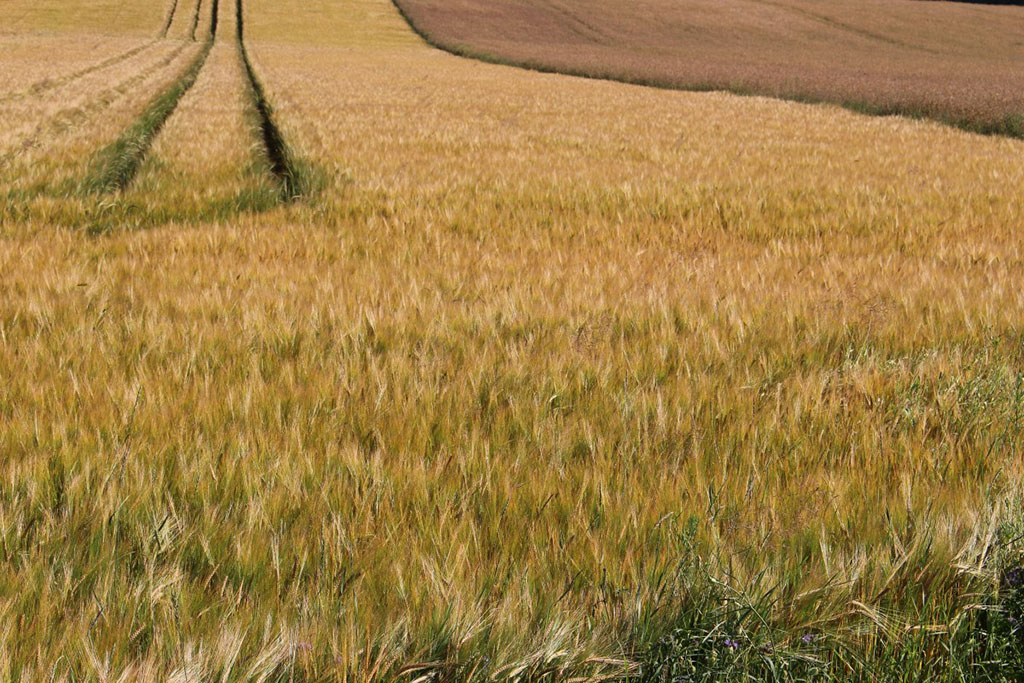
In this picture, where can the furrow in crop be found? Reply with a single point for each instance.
(48, 84)
(208, 162)
(579, 26)
(68, 117)
(170, 19)
(195, 19)
(118, 163)
(213, 19)
(843, 26)
(281, 163)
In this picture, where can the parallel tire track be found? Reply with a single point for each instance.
(282, 164)
(69, 117)
(213, 19)
(195, 19)
(170, 19)
(41, 87)
(843, 26)
(117, 164)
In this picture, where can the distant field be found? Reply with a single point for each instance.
(107, 17)
(956, 62)
(328, 356)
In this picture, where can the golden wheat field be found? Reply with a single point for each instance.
(325, 355)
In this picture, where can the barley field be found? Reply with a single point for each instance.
(326, 355)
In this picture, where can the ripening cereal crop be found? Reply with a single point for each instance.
(328, 355)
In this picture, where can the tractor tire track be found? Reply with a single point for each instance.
(47, 84)
(195, 20)
(68, 118)
(170, 19)
(842, 26)
(579, 26)
(282, 163)
(116, 164)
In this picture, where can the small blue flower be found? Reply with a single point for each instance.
(808, 638)
(732, 644)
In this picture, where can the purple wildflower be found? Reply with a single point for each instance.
(1015, 577)
(808, 638)
(732, 644)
